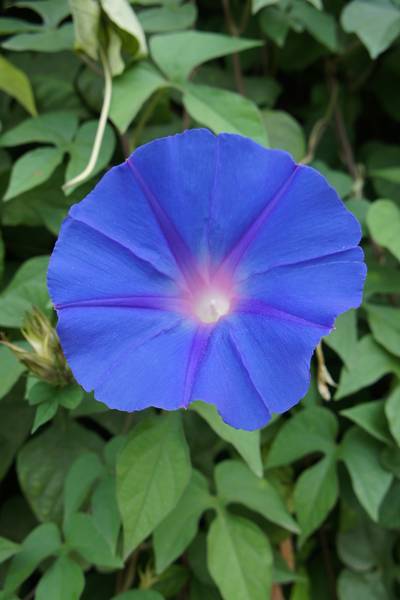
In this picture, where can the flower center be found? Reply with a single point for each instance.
(211, 306)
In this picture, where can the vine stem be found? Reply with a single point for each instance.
(101, 127)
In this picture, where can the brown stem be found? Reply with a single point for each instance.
(126, 577)
(235, 32)
(343, 138)
(326, 554)
(319, 128)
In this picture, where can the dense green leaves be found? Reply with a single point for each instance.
(370, 480)
(239, 558)
(14, 82)
(237, 484)
(177, 530)
(177, 54)
(224, 111)
(44, 462)
(315, 495)
(63, 581)
(152, 472)
(130, 92)
(383, 220)
(247, 443)
(311, 430)
(377, 24)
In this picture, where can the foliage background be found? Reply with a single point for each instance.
(97, 504)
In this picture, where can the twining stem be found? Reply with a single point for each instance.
(146, 114)
(319, 128)
(234, 31)
(105, 110)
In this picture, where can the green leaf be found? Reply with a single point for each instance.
(68, 396)
(377, 24)
(369, 363)
(257, 5)
(383, 219)
(177, 530)
(10, 370)
(343, 339)
(392, 411)
(370, 416)
(360, 454)
(55, 40)
(43, 464)
(368, 586)
(64, 580)
(82, 535)
(15, 423)
(342, 182)
(9, 25)
(276, 24)
(105, 510)
(139, 595)
(315, 495)
(177, 54)
(44, 413)
(239, 558)
(15, 83)
(31, 169)
(313, 429)
(81, 148)
(81, 477)
(130, 92)
(153, 470)
(124, 18)
(7, 549)
(50, 12)
(236, 483)
(382, 280)
(321, 25)
(86, 17)
(170, 17)
(27, 289)
(385, 324)
(224, 111)
(42, 542)
(247, 443)
(2, 248)
(284, 133)
(56, 127)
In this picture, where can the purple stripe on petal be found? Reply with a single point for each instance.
(241, 360)
(118, 243)
(179, 249)
(197, 352)
(164, 303)
(259, 307)
(233, 258)
(352, 255)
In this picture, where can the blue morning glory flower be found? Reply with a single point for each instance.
(204, 267)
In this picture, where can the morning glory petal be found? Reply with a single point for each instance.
(88, 265)
(182, 181)
(204, 268)
(317, 291)
(305, 220)
(276, 353)
(129, 357)
(118, 208)
(223, 380)
(247, 179)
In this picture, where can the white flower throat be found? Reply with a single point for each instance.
(211, 306)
